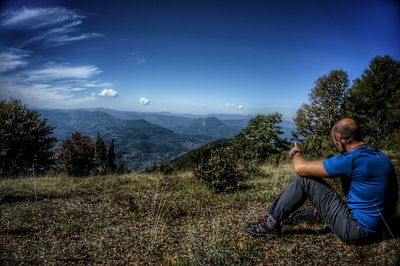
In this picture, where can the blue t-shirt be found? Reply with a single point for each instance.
(368, 171)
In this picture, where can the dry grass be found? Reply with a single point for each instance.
(155, 219)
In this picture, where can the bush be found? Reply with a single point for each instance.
(167, 169)
(220, 169)
(76, 156)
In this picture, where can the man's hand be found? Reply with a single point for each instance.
(306, 168)
(296, 149)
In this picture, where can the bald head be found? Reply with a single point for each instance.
(348, 130)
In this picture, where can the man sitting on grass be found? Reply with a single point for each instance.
(371, 196)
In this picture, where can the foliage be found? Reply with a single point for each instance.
(219, 168)
(100, 153)
(167, 168)
(375, 101)
(393, 145)
(278, 159)
(111, 165)
(223, 164)
(76, 155)
(261, 138)
(106, 159)
(122, 169)
(315, 120)
(25, 139)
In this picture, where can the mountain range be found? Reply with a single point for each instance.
(147, 139)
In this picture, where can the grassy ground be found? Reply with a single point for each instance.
(155, 219)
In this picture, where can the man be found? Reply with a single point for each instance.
(371, 196)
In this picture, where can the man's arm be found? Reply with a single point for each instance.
(303, 167)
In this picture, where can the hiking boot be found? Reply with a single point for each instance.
(309, 216)
(262, 228)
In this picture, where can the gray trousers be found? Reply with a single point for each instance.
(330, 206)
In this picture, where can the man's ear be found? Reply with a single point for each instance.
(343, 144)
(337, 143)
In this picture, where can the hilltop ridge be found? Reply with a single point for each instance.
(147, 139)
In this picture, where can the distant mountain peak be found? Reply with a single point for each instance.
(213, 122)
(145, 139)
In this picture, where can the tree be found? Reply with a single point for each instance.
(100, 153)
(261, 138)
(375, 101)
(315, 120)
(76, 155)
(25, 139)
(111, 165)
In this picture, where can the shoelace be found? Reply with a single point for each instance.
(263, 218)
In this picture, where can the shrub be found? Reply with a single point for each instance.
(167, 169)
(219, 168)
(76, 155)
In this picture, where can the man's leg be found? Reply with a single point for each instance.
(330, 206)
(309, 216)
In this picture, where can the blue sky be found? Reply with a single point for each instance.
(242, 57)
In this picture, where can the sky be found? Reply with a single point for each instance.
(198, 57)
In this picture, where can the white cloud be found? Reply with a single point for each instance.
(235, 106)
(42, 95)
(39, 17)
(53, 86)
(97, 84)
(51, 25)
(11, 59)
(108, 92)
(138, 57)
(78, 89)
(144, 101)
(63, 72)
(67, 38)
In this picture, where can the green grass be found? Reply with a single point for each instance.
(155, 219)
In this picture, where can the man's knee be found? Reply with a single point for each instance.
(301, 179)
(306, 181)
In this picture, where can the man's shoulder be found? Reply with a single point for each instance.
(339, 165)
(372, 157)
(371, 151)
(366, 150)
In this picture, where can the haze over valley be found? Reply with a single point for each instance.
(144, 140)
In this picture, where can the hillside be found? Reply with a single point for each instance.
(185, 163)
(147, 139)
(210, 126)
(225, 126)
(139, 144)
(160, 220)
(229, 124)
